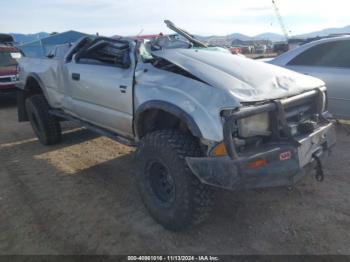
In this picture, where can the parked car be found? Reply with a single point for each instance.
(8, 69)
(199, 116)
(329, 60)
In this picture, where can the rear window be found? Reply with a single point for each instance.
(7, 59)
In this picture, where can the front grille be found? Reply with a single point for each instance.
(294, 114)
(289, 118)
(304, 113)
(5, 79)
(301, 111)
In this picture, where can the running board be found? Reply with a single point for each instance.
(96, 129)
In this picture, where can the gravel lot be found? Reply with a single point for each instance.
(80, 198)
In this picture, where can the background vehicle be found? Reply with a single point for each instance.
(8, 70)
(8, 65)
(329, 60)
(6, 39)
(200, 117)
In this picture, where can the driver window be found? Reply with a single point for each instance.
(107, 53)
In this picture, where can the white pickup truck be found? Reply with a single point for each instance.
(200, 116)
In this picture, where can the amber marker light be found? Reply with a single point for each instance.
(219, 150)
(257, 163)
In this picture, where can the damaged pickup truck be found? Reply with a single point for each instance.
(201, 118)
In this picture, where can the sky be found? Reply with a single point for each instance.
(204, 17)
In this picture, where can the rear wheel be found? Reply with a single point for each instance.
(173, 195)
(46, 127)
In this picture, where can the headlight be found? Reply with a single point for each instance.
(14, 78)
(256, 125)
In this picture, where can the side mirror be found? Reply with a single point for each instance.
(50, 56)
(75, 58)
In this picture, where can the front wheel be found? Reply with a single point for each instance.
(172, 194)
(46, 127)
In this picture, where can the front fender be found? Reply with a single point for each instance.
(37, 78)
(196, 102)
(22, 94)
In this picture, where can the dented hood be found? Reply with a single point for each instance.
(245, 79)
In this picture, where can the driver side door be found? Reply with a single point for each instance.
(101, 83)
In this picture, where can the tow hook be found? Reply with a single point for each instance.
(319, 170)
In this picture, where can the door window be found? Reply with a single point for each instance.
(332, 54)
(106, 53)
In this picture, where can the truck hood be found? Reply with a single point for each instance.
(7, 70)
(245, 79)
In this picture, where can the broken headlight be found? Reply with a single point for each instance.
(256, 125)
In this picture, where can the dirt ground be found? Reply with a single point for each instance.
(80, 197)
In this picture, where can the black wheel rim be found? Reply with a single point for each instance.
(161, 182)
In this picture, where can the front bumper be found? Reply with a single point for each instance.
(7, 89)
(286, 163)
(8, 84)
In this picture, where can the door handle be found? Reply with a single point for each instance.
(76, 76)
(123, 89)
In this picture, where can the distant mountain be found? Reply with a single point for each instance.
(326, 32)
(23, 38)
(229, 37)
(269, 36)
(239, 36)
(276, 37)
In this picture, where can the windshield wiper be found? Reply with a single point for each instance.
(185, 34)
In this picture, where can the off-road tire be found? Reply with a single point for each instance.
(192, 200)
(46, 127)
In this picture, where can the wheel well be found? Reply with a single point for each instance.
(31, 88)
(157, 119)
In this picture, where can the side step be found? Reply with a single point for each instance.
(96, 129)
